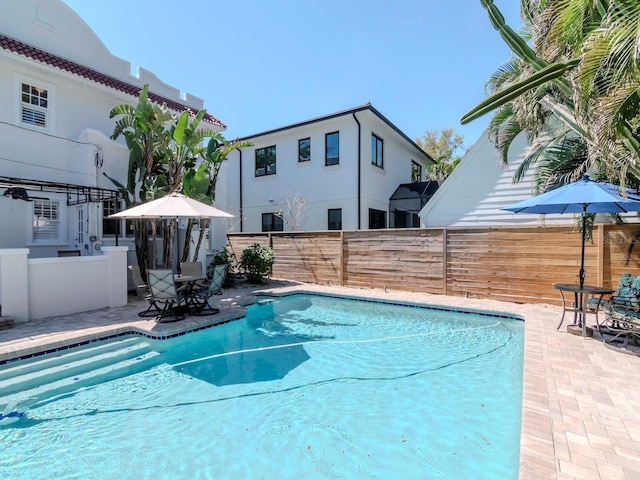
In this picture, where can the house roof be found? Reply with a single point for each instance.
(415, 190)
(351, 111)
(34, 53)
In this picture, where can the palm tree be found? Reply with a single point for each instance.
(568, 95)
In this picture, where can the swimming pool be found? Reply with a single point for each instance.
(303, 386)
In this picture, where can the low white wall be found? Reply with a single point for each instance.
(60, 286)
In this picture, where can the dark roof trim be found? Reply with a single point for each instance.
(76, 194)
(343, 113)
(34, 53)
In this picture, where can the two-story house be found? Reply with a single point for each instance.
(335, 172)
(58, 83)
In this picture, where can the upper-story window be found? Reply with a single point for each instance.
(416, 172)
(266, 161)
(376, 151)
(332, 148)
(46, 222)
(304, 150)
(34, 105)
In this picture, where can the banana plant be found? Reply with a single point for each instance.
(200, 180)
(144, 130)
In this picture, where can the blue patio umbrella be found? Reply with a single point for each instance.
(582, 197)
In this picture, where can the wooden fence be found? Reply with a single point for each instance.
(517, 264)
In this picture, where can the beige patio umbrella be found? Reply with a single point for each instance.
(175, 205)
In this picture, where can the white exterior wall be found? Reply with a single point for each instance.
(78, 120)
(379, 184)
(480, 187)
(322, 187)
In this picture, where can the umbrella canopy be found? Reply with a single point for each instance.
(174, 205)
(583, 197)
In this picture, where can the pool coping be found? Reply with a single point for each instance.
(568, 430)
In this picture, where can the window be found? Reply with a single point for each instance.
(403, 219)
(376, 151)
(34, 105)
(110, 226)
(266, 161)
(46, 221)
(304, 150)
(377, 219)
(335, 219)
(272, 223)
(416, 172)
(332, 148)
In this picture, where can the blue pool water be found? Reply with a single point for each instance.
(302, 387)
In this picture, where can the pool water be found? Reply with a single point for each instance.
(303, 387)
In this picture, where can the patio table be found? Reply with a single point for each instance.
(580, 303)
(188, 281)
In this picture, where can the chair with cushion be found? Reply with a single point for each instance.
(163, 291)
(142, 290)
(192, 269)
(200, 297)
(622, 314)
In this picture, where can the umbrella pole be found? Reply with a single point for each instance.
(178, 269)
(584, 239)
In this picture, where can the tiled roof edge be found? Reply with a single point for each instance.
(29, 51)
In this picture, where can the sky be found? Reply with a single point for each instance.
(264, 64)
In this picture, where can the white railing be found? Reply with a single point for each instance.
(36, 288)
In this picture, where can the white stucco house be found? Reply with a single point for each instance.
(344, 168)
(58, 83)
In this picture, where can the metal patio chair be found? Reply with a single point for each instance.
(622, 315)
(142, 290)
(163, 291)
(200, 297)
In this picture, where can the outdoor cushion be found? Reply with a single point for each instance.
(628, 291)
(592, 303)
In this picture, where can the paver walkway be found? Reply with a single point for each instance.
(581, 401)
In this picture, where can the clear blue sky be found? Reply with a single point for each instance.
(263, 64)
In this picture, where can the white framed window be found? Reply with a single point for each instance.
(35, 103)
(47, 224)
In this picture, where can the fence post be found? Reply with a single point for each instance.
(444, 261)
(601, 234)
(342, 258)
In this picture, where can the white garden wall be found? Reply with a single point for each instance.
(37, 288)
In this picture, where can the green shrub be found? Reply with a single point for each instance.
(256, 261)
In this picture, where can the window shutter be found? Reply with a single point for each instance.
(34, 117)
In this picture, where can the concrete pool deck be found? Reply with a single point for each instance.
(581, 401)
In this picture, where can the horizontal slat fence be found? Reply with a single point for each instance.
(518, 264)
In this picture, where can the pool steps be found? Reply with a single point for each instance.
(70, 370)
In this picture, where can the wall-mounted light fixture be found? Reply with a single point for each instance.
(19, 193)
